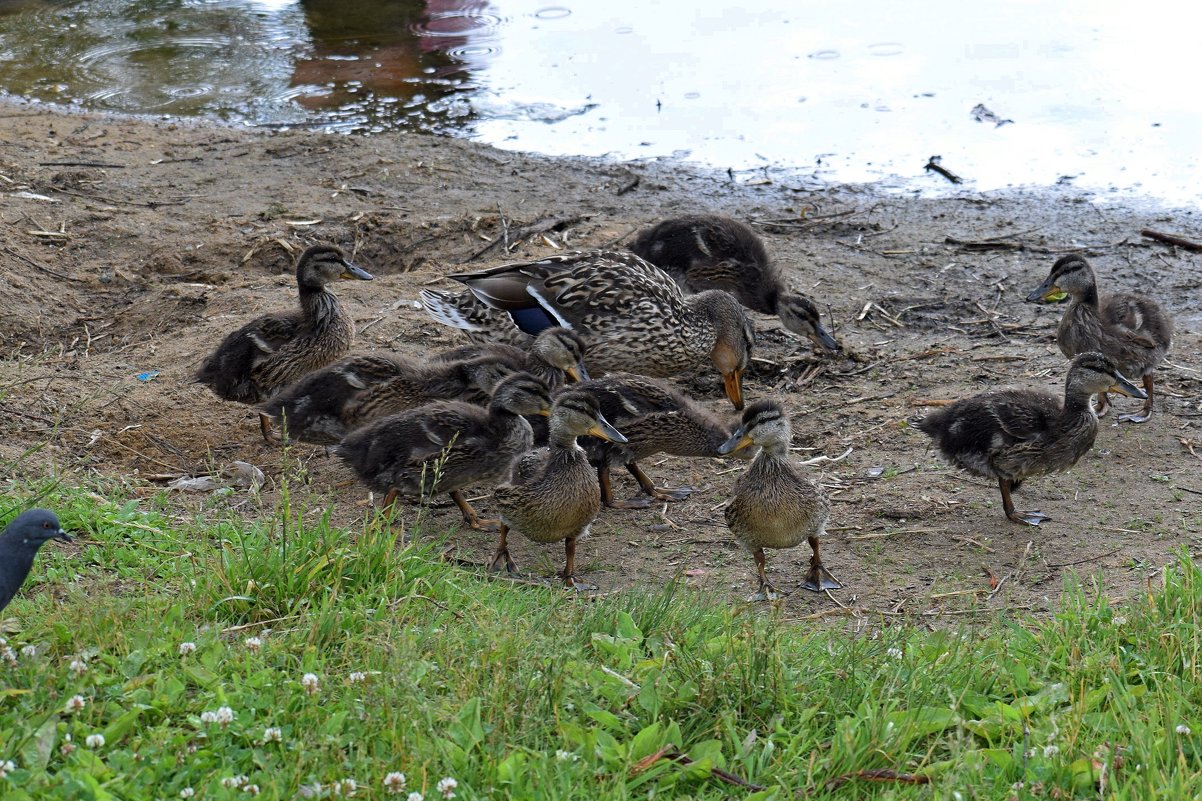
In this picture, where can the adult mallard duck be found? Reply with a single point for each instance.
(552, 495)
(274, 350)
(447, 445)
(654, 418)
(1015, 434)
(325, 405)
(1130, 330)
(709, 251)
(774, 506)
(555, 354)
(631, 314)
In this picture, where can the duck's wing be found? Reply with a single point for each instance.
(269, 332)
(463, 310)
(1023, 415)
(1137, 320)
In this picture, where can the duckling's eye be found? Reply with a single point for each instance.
(45, 525)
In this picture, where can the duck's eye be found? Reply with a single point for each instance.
(45, 525)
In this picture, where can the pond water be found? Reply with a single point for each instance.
(1093, 94)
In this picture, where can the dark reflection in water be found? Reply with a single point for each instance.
(363, 65)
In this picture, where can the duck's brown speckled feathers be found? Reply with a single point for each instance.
(774, 505)
(655, 418)
(710, 251)
(631, 315)
(275, 350)
(1013, 435)
(447, 445)
(552, 495)
(1129, 329)
(555, 355)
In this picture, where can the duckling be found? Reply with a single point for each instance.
(553, 354)
(274, 350)
(1130, 330)
(655, 418)
(774, 505)
(1015, 434)
(710, 251)
(631, 315)
(447, 445)
(327, 404)
(552, 494)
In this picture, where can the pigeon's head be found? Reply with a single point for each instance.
(36, 527)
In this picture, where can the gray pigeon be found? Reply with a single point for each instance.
(19, 543)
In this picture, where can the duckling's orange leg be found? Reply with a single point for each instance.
(1033, 518)
(502, 557)
(569, 568)
(819, 578)
(389, 503)
(765, 592)
(474, 521)
(268, 435)
(1146, 414)
(665, 494)
(1102, 406)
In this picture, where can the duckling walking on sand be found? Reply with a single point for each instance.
(1129, 329)
(1015, 434)
(552, 495)
(774, 505)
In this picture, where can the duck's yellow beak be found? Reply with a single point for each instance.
(733, 381)
(577, 373)
(1047, 291)
(1124, 387)
(736, 443)
(544, 412)
(603, 430)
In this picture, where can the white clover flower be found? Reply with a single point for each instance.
(75, 703)
(273, 734)
(29, 651)
(566, 756)
(187, 792)
(78, 666)
(224, 715)
(95, 741)
(447, 787)
(310, 682)
(7, 767)
(415, 797)
(208, 716)
(356, 676)
(67, 747)
(894, 653)
(1183, 729)
(1120, 620)
(186, 648)
(253, 643)
(235, 781)
(1050, 751)
(345, 787)
(395, 782)
(252, 789)
(8, 654)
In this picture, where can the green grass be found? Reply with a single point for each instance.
(521, 692)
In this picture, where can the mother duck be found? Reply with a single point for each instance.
(631, 315)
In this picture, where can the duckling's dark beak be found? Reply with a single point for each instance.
(544, 412)
(736, 443)
(577, 373)
(603, 430)
(1047, 291)
(1125, 387)
(733, 382)
(823, 339)
(62, 535)
(353, 271)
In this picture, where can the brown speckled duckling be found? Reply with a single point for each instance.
(774, 505)
(447, 445)
(1015, 434)
(552, 495)
(655, 418)
(1130, 330)
(710, 251)
(274, 350)
(555, 354)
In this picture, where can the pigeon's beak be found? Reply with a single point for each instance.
(62, 535)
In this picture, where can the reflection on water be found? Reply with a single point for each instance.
(1094, 91)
